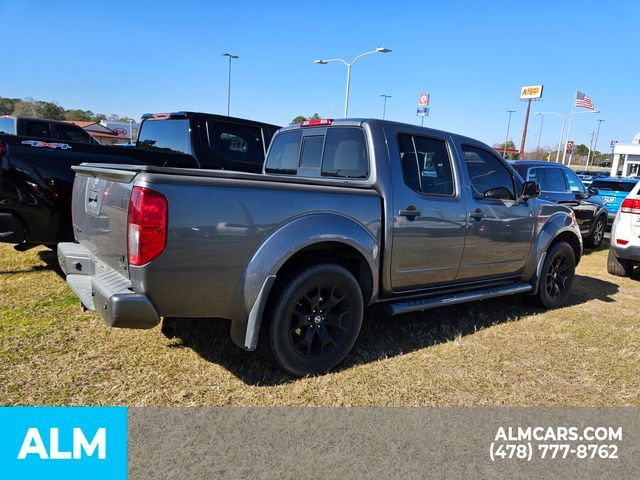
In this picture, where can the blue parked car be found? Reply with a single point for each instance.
(612, 191)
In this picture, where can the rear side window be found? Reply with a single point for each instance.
(555, 181)
(426, 165)
(236, 143)
(34, 128)
(7, 126)
(69, 133)
(284, 153)
(489, 177)
(614, 186)
(342, 152)
(170, 136)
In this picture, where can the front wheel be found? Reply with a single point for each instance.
(597, 233)
(316, 320)
(556, 277)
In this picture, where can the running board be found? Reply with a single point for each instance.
(456, 298)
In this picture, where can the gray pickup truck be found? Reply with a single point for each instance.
(346, 214)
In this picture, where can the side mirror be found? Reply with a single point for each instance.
(593, 191)
(530, 190)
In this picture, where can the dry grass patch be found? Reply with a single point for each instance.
(498, 352)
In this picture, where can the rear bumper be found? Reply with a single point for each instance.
(630, 252)
(107, 293)
(11, 229)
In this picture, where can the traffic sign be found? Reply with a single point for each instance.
(423, 111)
(424, 99)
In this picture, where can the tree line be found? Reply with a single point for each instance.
(580, 153)
(29, 107)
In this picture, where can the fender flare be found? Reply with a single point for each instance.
(280, 246)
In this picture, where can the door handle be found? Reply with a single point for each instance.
(477, 215)
(410, 212)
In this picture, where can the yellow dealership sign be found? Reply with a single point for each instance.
(532, 91)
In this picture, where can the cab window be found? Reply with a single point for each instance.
(426, 166)
(575, 185)
(489, 177)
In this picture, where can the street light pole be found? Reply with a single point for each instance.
(539, 135)
(595, 146)
(349, 65)
(384, 108)
(229, 84)
(506, 139)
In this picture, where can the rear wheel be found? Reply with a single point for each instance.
(316, 320)
(556, 277)
(597, 233)
(617, 266)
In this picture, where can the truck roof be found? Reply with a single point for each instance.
(202, 115)
(357, 122)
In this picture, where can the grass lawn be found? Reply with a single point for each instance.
(497, 352)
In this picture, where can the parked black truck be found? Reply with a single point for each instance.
(36, 177)
(347, 213)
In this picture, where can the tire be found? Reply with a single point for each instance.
(316, 320)
(597, 233)
(556, 277)
(617, 266)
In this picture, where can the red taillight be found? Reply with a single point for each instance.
(3, 148)
(316, 123)
(161, 116)
(146, 225)
(630, 205)
(619, 241)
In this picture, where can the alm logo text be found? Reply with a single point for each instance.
(33, 445)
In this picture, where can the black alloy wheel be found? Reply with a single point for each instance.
(556, 277)
(597, 235)
(316, 320)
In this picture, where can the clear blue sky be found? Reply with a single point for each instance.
(152, 56)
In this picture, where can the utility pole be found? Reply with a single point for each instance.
(506, 139)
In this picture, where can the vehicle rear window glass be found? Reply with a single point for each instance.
(284, 152)
(70, 133)
(312, 151)
(170, 136)
(426, 166)
(236, 143)
(7, 126)
(36, 129)
(613, 186)
(345, 153)
(489, 177)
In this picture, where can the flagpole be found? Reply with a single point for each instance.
(573, 107)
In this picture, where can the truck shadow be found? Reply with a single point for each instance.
(381, 336)
(48, 257)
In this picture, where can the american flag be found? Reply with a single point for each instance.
(584, 101)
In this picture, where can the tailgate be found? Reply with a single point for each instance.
(99, 209)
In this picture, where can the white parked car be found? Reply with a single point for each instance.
(624, 253)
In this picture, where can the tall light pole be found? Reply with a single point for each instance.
(564, 121)
(231, 57)
(571, 115)
(595, 146)
(384, 108)
(349, 65)
(539, 135)
(506, 139)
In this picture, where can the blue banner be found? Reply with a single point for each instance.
(63, 442)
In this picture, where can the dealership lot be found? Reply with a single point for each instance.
(499, 352)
